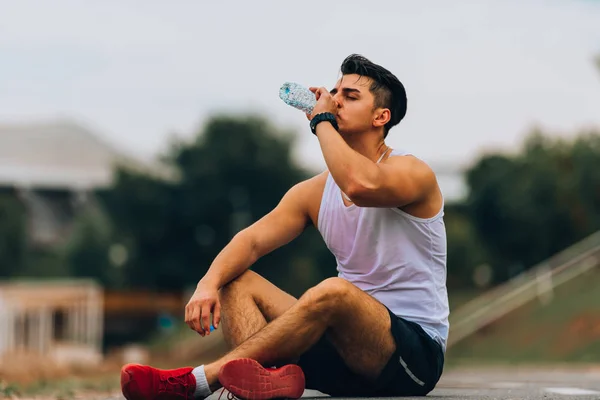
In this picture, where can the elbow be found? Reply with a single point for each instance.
(246, 239)
(360, 191)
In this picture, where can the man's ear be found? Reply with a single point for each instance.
(382, 116)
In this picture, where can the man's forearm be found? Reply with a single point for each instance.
(232, 261)
(347, 167)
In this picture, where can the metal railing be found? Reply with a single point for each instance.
(537, 282)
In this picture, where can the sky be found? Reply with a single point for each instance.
(479, 74)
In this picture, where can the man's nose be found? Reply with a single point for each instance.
(338, 100)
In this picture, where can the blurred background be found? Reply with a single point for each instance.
(136, 139)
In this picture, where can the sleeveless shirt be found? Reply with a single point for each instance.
(393, 256)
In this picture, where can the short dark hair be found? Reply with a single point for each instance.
(388, 91)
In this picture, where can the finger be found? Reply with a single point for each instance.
(308, 116)
(195, 319)
(217, 315)
(317, 91)
(205, 319)
(188, 316)
(324, 91)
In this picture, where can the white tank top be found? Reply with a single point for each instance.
(395, 257)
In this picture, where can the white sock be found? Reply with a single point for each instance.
(202, 388)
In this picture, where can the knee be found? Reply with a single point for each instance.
(334, 287)
(327, 296)
(238, 287)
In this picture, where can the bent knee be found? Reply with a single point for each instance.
(239, 285)
(328, 293)
(337, 287)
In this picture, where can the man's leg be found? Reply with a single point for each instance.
(357, 324)
(248, 303)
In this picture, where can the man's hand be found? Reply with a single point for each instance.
(325, 102)
(203, 302)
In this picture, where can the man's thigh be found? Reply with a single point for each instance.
(361, 354)
(248, 303)
(361, 332)
(270, 300)
(413, 370)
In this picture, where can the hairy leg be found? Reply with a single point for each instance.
(248, 303)
(358, 325)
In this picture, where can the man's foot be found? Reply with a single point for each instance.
(140, 382)
(249, 380)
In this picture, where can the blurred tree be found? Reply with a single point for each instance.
(164, 233)
(88, 252)
(13, 235)
(529, 206)
(464, 251)
(231, 175)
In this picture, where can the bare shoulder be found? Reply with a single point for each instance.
(423, 181)
(420, 173)
(412, 164)
(308, 193)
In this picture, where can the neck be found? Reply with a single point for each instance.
(370, 146)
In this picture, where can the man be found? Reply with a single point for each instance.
(380, 327)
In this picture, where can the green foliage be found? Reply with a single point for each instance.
(232, 174)
(162, 234)
(87, 254)
(13, 240)
(528, 206)
(465, 252)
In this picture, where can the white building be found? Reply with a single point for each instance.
(57, 320)
(52, 167)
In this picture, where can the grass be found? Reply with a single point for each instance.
(9, 390)
(63, 389)
(566, 329)
(457, 298)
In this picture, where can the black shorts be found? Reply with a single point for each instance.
(413, 370)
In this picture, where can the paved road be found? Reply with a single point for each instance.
(504, 383)
(520, 383)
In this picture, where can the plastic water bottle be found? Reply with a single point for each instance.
(298, 97)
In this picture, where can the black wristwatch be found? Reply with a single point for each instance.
(326, 116)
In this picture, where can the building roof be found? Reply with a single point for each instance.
(50, 293)
(61, 154)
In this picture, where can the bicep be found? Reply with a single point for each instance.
(280, 226)
(401, 181)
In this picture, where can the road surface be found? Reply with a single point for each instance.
(503, 383)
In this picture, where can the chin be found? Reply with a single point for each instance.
(342, 130)
(345, 131)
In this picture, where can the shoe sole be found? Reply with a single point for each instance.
(249, 380)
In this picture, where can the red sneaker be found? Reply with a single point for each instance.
(140, 382)
(249, 380)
